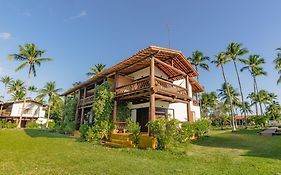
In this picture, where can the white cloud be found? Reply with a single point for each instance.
(5, 35)
(80, 15)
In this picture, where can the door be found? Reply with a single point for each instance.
(142, 118)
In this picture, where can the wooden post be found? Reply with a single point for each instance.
(188, 107)
(152, 93)
(77, 109)
(114, 111)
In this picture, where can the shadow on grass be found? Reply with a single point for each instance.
(249, 140)
(44, 133)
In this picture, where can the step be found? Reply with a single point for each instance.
(122, 142)
(116, 145)
(120, 136)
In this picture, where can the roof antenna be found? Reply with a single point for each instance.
(169, 41)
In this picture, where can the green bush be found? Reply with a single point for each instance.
(201, 127)
(69, 128)
(134, 130)
(10, 125)
(51, 124)
(1, 124)
(90, 135)
(165, 131)
(187, 131)
(102, 130)
(83, 131)
(31, 125)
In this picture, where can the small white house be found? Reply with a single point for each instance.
(32, 110)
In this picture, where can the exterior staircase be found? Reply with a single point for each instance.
(119, 140)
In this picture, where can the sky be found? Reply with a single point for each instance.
(80, 33)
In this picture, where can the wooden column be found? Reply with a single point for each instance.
(82, 112)
(77, 109)
(114, 111)
(188, 108)
(152, 93)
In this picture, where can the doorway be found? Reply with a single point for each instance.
(142, 118)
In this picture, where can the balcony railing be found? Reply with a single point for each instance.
(87, 101)
(135, 86)
(196, 102)
(168, 87)
(5, 114)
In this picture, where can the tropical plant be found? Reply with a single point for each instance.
(253, 65)
(95, 69)
(134, 130)
(6, 80)
(208, 102)
(198, 60)
(273, 110)
(277, 63)
(16, 88)
(51, 92)
(32, 89)
(235, 50)
(31, 57)
(220, 60)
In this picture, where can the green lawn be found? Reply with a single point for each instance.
(223, 152)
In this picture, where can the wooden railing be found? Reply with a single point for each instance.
(169, 87)
(133, 87)
(87, 101)
(5, 114)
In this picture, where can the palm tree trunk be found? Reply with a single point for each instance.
(256, 105)
(49, 109)
(230, 101)
(258, 95)
(241, 91)
(24, 99)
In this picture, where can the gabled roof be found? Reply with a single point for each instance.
(140, 60)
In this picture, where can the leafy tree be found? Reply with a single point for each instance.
(208, 102)
(235, 50)
(29, 56)
(220, 60)
(32, 89)
(51, 92)
(253, 65)
(95, 69)
(16, 88)
(277, 63)
(6, 80)
(273, 110)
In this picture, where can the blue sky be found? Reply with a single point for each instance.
(78, 34)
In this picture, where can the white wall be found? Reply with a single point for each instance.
(146, 72)
(35, 109)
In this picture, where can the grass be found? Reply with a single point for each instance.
(223, 152)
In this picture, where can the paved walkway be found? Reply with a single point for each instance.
(269, 132)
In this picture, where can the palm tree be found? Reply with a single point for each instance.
(76, 83)
(6, 80)
(277, 62)
(31, 57)
(95, 69)
(198, 60)
(32, 89)
(253, 64)
(16, 88)
(220, 60)
(208, 102)
(51, 92)
(235, 50)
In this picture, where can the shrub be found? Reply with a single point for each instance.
(90, 135)
(164, 131)
(201, 127)
(134, 130)
(51, 124)
(31, 125)
(187, 131)
(1, 124)
(9, 125)
(69, 128)
(83, 130)
(259, 120)
(102, 130)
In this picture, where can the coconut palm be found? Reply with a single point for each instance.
(220, 60)
(29, 56)
(208, 102)
(198, 60)
(32, 89)
(18, 95)
(6, 80)
(274, 110)
(16, 89)
(95, 69)
(51, 92)
(253, 65)
(235, 50)
(277, 62)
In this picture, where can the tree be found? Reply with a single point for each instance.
(95, 69)
(31, 57)
(208, 102)
(198, 60)
(220, 60)
(253, 64)
(16, 88)
(51, 92)
(6, 80)
(32, 89)
(277, 63)
(76, 83)
(235, 50)
(274, 110)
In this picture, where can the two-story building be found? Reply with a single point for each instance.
(154, 82)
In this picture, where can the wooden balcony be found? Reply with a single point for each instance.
(196, 102)
(86, 101)
(5, 114)
(162, 87)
